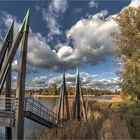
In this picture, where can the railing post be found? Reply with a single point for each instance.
(25, 103)
(40, 110)
(32, 104)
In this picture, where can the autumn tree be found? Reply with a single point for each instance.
(127, 40)
(54, 90)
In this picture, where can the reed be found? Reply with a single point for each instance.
(101, 124)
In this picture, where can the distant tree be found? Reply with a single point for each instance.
(54, 89)
(70, 90)
(128, 49)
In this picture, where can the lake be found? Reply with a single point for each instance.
(31, 127)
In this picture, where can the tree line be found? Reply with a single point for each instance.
(54, 90)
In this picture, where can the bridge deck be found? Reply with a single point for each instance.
(39, 113)
(32, 110)
(39, 119)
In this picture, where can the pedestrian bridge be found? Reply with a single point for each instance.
(33, 110)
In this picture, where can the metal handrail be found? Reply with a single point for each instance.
(40, 110)
(8, 103)
(8, 107)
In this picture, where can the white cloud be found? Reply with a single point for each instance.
(92, 37)
(30, 69)
(39, 80)
(91, 43)
(92, 4)
(135, 3)
(39, 52)
(87, 81)
(65, 52)
(50, 15)
(58, 6)
(15, 65)
(51, 24)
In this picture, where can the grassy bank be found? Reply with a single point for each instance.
(117, 120)
(101, 124)
(130, 111)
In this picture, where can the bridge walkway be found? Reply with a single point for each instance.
(33, 110)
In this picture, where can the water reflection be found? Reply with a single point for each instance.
(31, 127)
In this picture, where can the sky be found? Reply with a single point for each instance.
(64, 35)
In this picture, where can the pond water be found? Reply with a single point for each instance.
(31, 127)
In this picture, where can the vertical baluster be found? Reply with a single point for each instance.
(32, 104)
(25, 103)
(40, 109)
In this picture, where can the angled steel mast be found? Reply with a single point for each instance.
(3, 55)
(7, 54)
(78, 108)
(63, 108)
(20, 90)
(7, 44)
(6, 66)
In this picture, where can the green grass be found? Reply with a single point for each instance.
(130, 111)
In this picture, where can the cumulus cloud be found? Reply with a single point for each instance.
(91, 40)
(29, 68)
(40, 80)
(112, 84)
(135, 3)
(39, 52)
(87, 81)
(92, 37)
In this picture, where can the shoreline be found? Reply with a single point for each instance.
(57, 96)
(115, 98)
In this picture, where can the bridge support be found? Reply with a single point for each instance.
(8, 130)
(78, 108)
(5, 49)
(7, 54)
(63, 108)
(20, 91)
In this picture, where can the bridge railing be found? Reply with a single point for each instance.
(8, 103)
(8, 107)
(36, 107)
